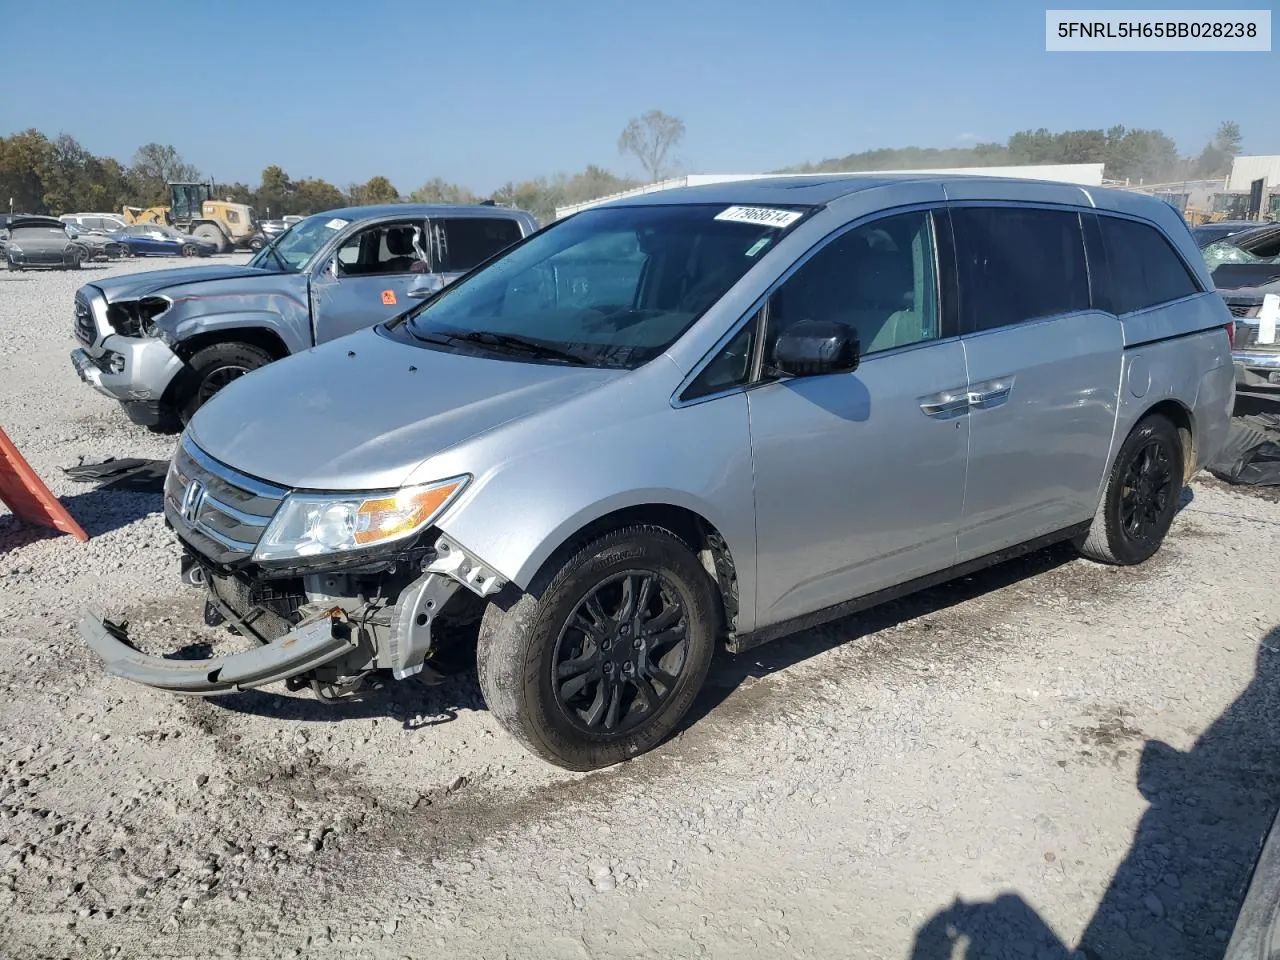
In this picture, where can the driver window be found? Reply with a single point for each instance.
(877, 278)
(385, 249)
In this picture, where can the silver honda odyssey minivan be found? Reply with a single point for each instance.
(700, 416)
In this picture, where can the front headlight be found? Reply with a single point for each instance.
(307, 525)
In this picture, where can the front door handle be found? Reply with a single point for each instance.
(945, 406)
(992, 393)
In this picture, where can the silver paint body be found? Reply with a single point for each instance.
(825, 488)
(299, 309)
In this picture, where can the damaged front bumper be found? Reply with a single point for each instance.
(309, 645)
(345, 631)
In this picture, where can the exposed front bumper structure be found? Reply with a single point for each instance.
(128, 369)
(310, 645)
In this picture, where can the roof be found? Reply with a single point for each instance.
(812, 190)
(377, 210)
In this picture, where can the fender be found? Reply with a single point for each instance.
(293, 328)
(514, 516)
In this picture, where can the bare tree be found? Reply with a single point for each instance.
(155, 165)
(650, 139)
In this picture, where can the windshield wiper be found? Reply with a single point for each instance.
(271, 249)
(506, 341)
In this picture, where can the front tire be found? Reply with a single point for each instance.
(1141, 496)
(601, 662)
(207, 231)
(213, 367)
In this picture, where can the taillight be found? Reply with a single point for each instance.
(1231, 333)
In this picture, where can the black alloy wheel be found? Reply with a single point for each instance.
(620, 655)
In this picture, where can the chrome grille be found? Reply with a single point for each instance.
(220, 513)
(86, 330)
(1246, 337)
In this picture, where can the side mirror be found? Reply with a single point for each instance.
(811, 348)
(426, 285)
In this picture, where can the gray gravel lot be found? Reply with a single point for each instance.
(958, 771)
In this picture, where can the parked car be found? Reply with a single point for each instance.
(1207, 233)
(272, 228)
(163, 343)
(41, 242)
(157, 239)
(96, 222)
(713, 414)
(96, 246)
(1245, 259)
(1256, 934)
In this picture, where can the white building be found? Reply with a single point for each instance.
(1244, 170)
(1085, 174)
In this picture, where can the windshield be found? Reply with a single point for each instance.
(296, 247)
(609, 287)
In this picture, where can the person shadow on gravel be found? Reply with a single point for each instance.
(1179, 888)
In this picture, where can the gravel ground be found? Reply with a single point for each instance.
(956, 772)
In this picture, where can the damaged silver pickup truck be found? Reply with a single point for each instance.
(162, 343)
(709, 415)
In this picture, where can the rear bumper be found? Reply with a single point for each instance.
(1257, 370)
(309, 645)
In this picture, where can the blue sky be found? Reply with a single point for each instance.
(495, 90)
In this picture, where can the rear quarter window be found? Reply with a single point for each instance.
(464, 242)
(1146, 271)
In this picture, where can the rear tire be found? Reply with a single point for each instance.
(1141, 496)
(190, 250)
(213, 367)
(602, 658)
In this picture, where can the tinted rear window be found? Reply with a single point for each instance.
(1018, 264)
(467, 241)
(1145, 269)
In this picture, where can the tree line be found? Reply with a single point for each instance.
(1147, 156)
(58, 175)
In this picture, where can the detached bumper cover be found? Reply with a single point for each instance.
(308, 646)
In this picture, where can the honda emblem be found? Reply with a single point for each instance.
(192, 500)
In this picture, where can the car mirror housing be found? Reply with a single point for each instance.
(811, 348)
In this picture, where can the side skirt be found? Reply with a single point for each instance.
(739, 644)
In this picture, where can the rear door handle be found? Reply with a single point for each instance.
(945, 406)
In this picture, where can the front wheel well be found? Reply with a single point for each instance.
(254, 336)
(1181, 418)
(707, 543)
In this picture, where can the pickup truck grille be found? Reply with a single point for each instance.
(86, 329)
(1240, 309)
(226, 513)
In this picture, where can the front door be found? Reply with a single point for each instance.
(1044, 372)
(375, 266)
(860, 477)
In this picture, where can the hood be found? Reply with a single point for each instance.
(130, 286)
(326, 420)
(1253, 294)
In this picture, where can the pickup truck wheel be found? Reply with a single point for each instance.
(600, 662)
(214, 366)
(1141, 496)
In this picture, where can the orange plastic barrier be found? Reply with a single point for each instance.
(26, 495)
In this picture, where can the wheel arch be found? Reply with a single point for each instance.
(1182, 417)
(258, 336)
(690, 525)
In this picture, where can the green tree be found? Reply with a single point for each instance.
(376, 190)
(438, 190)
(275, 193)
(651, 138)
(23, 157)
(316, 196)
